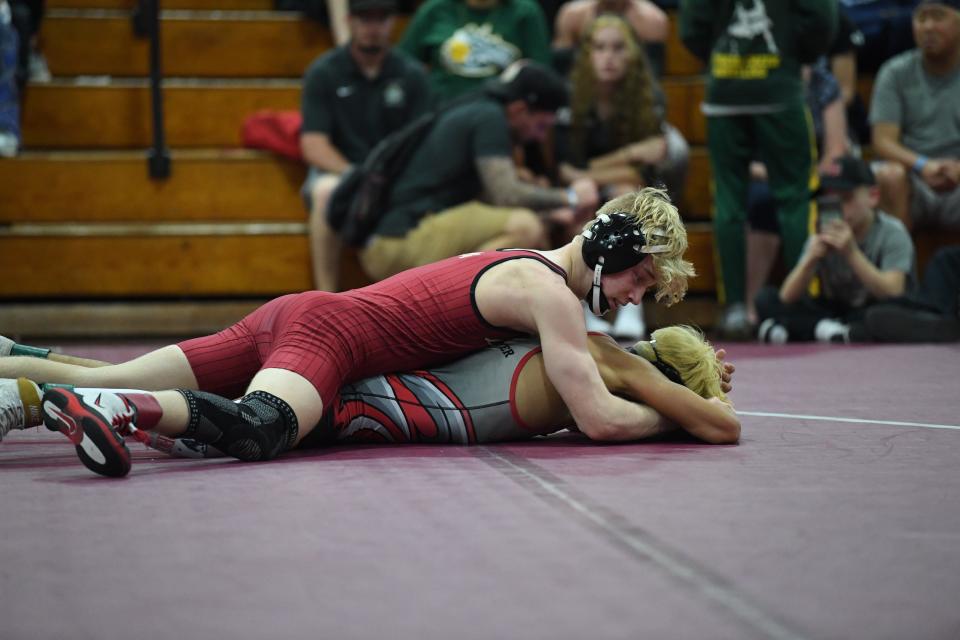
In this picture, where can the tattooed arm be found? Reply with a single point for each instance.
(503, 186)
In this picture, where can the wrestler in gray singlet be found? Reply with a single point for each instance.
(467, 401)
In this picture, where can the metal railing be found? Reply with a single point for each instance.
(146, 23)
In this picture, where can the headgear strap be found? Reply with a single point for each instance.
(668, 370)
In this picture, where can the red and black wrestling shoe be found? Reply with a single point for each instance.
(92, 422)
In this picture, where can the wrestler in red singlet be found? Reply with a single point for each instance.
(415, 319)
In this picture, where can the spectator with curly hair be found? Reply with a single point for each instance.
(615, 132)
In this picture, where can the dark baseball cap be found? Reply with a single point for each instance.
(538, 86)
(359, 6)
(846, 173)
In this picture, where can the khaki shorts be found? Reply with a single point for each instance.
(461, 229)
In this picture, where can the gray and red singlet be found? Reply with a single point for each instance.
(414, 320)
(468, 401)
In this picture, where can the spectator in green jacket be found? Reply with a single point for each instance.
(755, 108)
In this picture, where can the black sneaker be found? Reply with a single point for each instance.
(898, 323)
(91, 424)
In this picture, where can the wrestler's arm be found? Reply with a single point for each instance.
(629, 375)
(557, 316)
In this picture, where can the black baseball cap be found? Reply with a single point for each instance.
(846, 173)
(538, 86)
(359, 6)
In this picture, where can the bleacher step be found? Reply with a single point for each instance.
(206, 113)
(130, 261)
(116, 114)
(236, 44)
(205, 185)
(241, 5)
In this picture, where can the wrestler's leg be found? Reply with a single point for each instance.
(10, 348)
(165, 368)
(296, 391)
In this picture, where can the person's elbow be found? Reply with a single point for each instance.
(724, 431)
(603, 431)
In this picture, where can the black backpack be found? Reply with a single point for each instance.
(359, 201)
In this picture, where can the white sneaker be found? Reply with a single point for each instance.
(19, 405)
(830, 330)
(629, 324)
(9, 144)
(771, 332)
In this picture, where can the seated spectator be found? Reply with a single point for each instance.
(466, 42)
(615, 132)
(931, 314)
(854, 260)
(460, 191)
(353, 96)
(648, 22)
(915, 125)
(825, 102)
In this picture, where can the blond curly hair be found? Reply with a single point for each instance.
(660, 223)
(685, 349)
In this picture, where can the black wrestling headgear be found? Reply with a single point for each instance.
(613, 243)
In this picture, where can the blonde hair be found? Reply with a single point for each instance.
(660, 223)
(685, 349)
(635, 116)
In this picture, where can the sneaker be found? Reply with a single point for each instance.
(833, 331)
(772, 332)
(11, 408)
(9, 144)
(91, 424)
(897, 323)
(735, 323)
(629, 324)
(19, 405)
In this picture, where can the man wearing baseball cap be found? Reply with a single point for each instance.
(913, 112)
(353, 96)
(459, 191)
(858, 256)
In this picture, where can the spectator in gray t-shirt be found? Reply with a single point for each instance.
(916, 126)
(858, 256)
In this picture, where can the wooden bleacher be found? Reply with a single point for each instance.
(89, 245)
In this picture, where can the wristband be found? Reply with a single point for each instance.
(572, 198)
(920, 163)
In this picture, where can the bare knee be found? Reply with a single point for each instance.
(320, 194)
(526, 230)
(891, 178)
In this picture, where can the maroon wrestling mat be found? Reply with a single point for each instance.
(838, 516)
